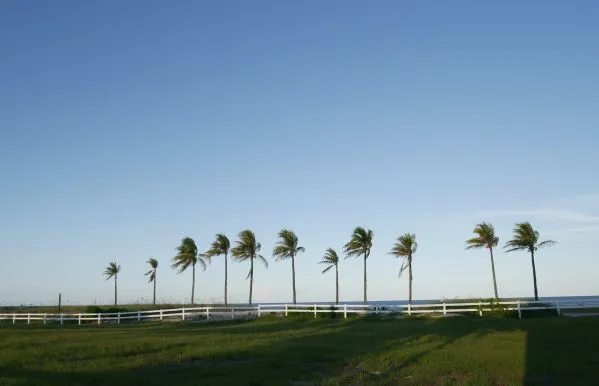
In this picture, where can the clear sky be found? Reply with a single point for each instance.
(125, 126)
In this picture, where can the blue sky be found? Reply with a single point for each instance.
(125, 126)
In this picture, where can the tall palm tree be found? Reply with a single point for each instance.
(248, 249)
(187, 255)
(112, 271)
(527, 239)
(360, 245)
(286, 248)
(405, 247)
(485, 238)
(331, 259)
(221, 246)
(152, 273)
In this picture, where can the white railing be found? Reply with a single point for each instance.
(222, 313)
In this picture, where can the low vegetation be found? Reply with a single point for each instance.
(302, 351)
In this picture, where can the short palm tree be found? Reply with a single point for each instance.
(112, 271)
(152, 273)
(527, 239)
(331, 259)
(405, 247)
(187, 255)
(287, 248)
(485, 238)
(221, 246)
(360, 245)
(247, 248)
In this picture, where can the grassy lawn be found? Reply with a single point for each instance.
(293, 351)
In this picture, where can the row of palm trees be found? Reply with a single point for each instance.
(247, 249)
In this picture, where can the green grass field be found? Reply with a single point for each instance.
(303, 351)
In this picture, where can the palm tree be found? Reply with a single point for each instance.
(527, 239)
(485, 238)
(188, 256)
(220, 246)
(359, 245)
(248, 249)
(331, 259)
(112, 271)
(405, 247)
(287, 248)
(152, 272)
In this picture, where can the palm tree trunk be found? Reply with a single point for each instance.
(251, 278)
(410, 281)
(365, 291)
(493, 269)
(534, 273)
(226, 277)
(293, 274)
(115, 290)
(336, 285)
(154, 299)
(193, 282)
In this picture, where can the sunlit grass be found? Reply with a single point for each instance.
(294, 351)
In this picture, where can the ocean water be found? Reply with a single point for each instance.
(564, 300)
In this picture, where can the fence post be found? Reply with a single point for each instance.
(44, 318)
(61, 319)
(444, 309)
(79, 319)
(183, 314)
(409, 309)
(480, 308)
(558, 309)
(207, 313)
(519, 310)
(232, 313)
(345, 311)
(118, 318)
(14, 318)
(259, 313)
(99, 318)
(138, 317)
(160, 314)
(286, 310)
(315, 311)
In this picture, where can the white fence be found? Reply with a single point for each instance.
(222, 313)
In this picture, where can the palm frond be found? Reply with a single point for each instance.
(220, 246)
(153, 262)
(546, 243)
(405, 246)
(526, 238)
(187, 255)
(328, 268)
(404, 266)
(263, 260)
(360, 243)
(287, 246)
(485, 237)
(112, 270)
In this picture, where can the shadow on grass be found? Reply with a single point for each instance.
(360, 351)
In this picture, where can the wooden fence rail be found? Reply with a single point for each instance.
(222, 313)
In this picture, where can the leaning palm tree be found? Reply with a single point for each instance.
(286, 248)
(152, 273)
(248, 249)
(112, 271)
(360, 245)
(527, 239)
(220, 246)
(485, 238)
(331, 259)
(187, 255)
(405, 247)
